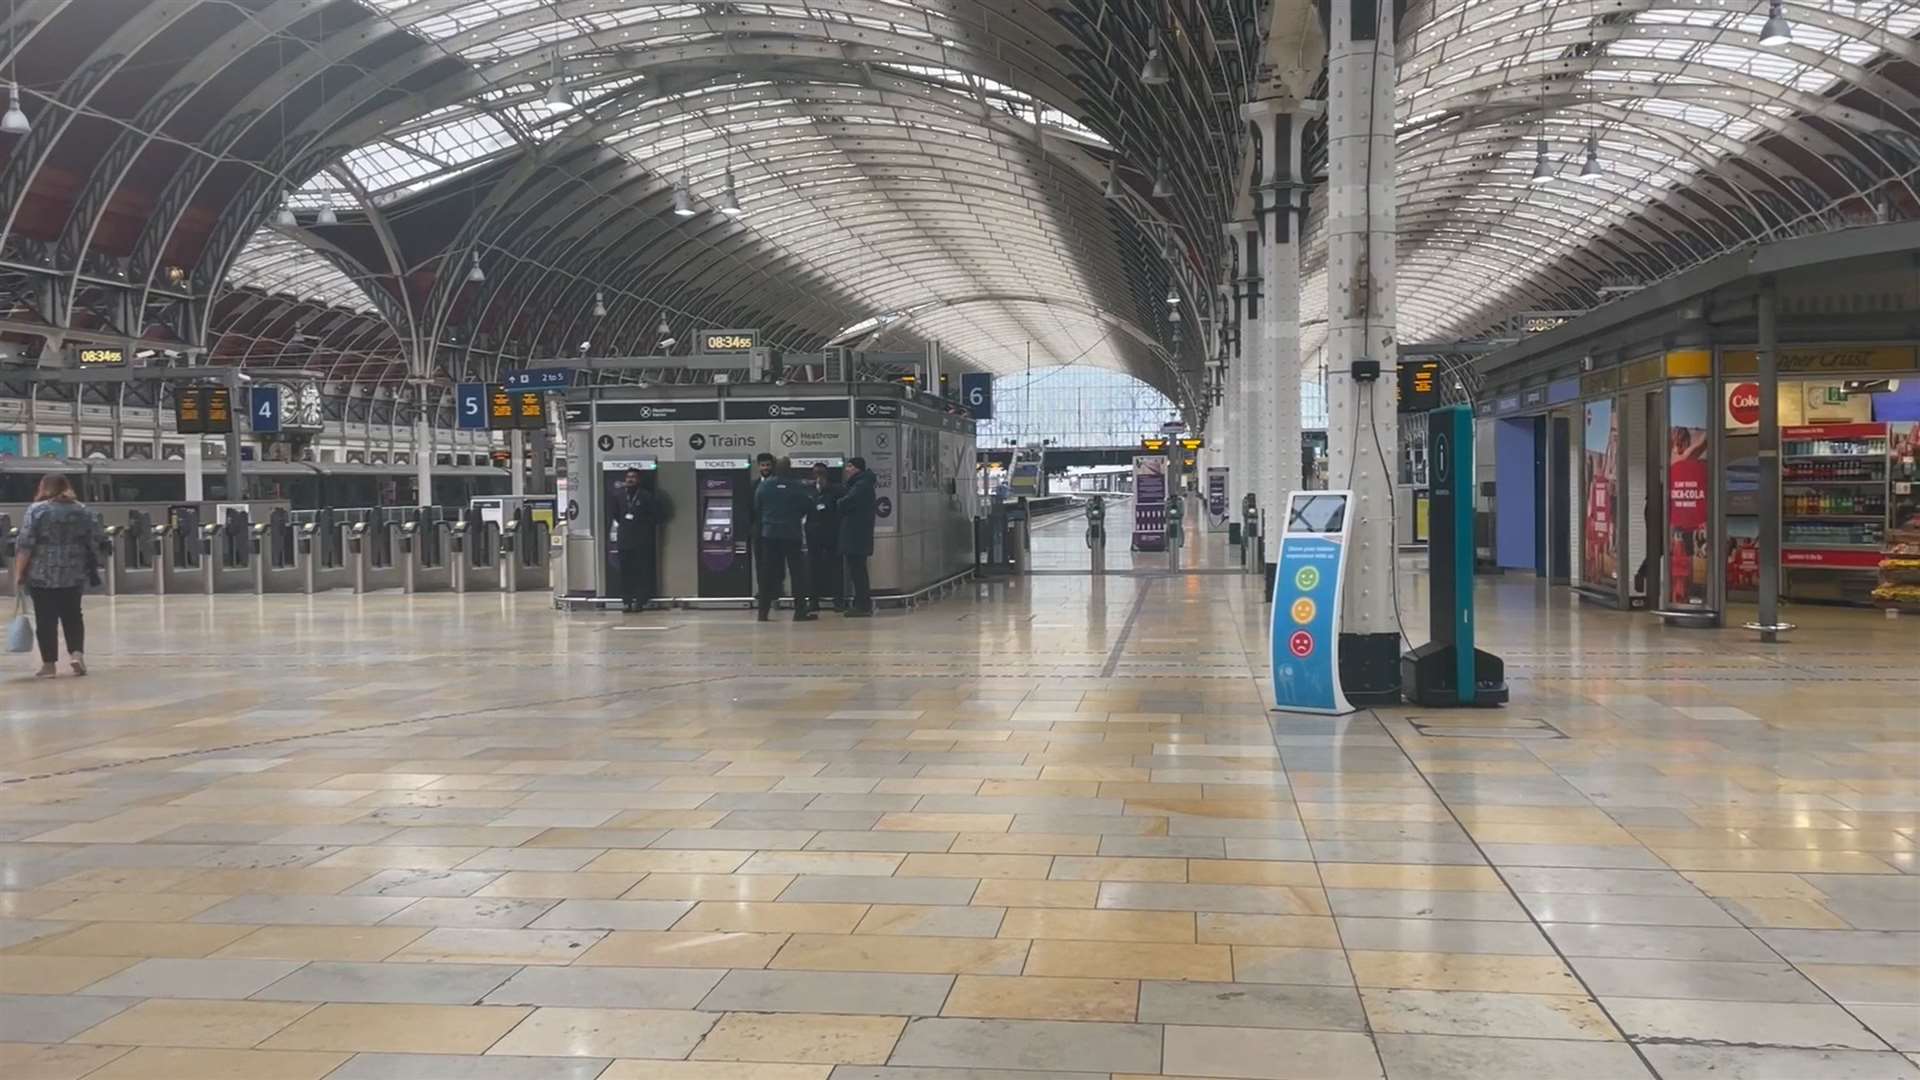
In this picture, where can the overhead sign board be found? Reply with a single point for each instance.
(1153, 444)
(530, 409)
(629, 412)
(203, 410)
(1419, 386)
(500, 411)
(1193, 444)
(264, 410)
(470, 406)
(976, 393)
(550, 378)
(800, 409)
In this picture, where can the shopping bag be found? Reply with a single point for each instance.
(20, 630)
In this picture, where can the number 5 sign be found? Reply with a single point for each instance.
(470, 406)
(264, 410)
(976, 392)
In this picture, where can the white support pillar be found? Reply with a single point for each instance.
(423, 449)
(1362, 436)
(1279, 201)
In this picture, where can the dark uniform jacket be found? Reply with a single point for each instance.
(823, 519)
(780, 506)
(856, 516)
(643, 529)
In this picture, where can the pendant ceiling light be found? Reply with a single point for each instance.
(283, 217)
(1777, 31)
(1112, 189)
(1173, 296)
(1542, 169)
(476, 275)
(1162, 183)
(327, 216)
(729, 199)
(682, 198)
(1154, 72)
(599, 304)
(15, 122)
(559, 98)
(1590, 170)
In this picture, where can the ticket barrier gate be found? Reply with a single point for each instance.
(476, 557)
(136, 562)
(276, 556)
(320, 551)
(424, 563)
(8, 534)
(526, 547)
(370, 548)
(226, 552)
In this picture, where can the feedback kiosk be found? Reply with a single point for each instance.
(1448, 670)
(1306, 603)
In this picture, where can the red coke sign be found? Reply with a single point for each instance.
(1743, 404)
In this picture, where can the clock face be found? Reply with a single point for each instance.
(306, 411)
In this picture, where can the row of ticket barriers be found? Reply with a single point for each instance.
(413, 550)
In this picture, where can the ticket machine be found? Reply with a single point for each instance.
(725, 492)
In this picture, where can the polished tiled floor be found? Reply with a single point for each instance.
(1042, 831)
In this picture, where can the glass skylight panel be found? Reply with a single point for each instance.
(274, 263)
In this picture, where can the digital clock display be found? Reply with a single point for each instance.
(102, 357)
(729, 341)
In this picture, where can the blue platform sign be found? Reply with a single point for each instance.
(976, 393)
(263, 410)
(470, 406)
(538, 378)
(1306, 603)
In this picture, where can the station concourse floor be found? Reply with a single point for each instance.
(1041, 830)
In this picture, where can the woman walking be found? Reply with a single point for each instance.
(59, 547)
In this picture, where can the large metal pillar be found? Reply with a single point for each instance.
(1768, 363)
(423, 449)
(1280, 201)
(1253, 366)
(1362, 433)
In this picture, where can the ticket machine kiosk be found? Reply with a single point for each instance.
(725, 493)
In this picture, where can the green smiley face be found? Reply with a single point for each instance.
(1306, 578)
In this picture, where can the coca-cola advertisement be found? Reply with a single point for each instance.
(1689, 487)
(1599, 473)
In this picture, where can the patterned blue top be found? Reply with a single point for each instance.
(57, 533)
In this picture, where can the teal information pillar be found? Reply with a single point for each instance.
(1449, 670)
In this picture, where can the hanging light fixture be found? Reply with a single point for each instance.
(664, 334)
(1542, 170)
(1162, 183)
(599, 304)
(559, 98)
(283, 217)
(682, 198)
(1112, 189)
(1777, 30)
(1154, 72)
(1590, 170)
(1173, 296)
(729, 199)
(476, 275)
(15, 122)
(327, 216)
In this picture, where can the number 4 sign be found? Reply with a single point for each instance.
(264, 410)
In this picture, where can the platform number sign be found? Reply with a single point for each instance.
(976, 393)
(470, 406)
(264, 410)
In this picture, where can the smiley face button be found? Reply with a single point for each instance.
(1306, 578)
(1303, 611)
(1301, 644)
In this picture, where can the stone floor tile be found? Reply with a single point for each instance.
(1659, 942)
(479, 913)
(1249, 899)
(711, 1070)
(1443, 936)
(1627, 910)
(174, 1063)
(649, 948)
(1866, 984)
(398, 1029)
(1704, 980)
(395, 983)
(49, 975)
(1270, 1054)
(1808, 1026)
(459, 945)
(233, 1025)
(1461, 971)
(1097, 925)
(1131, 960)
(1306, 966)
(1451, 1057)
(605, 1033)
(1470, 1012)
(33, 1018)
(719, 916)
(801, 1037)
(915, 920)
(737, 887)
(1028, 998)
(194, 978)
(1241, 1005)
(861, 993)
(345, 943)
(1030, 1045)
(1769, 1063)
(71, 1061)
(612, 915)
(906, 955)
(468, 1067)
(304, 910)
(904, 889)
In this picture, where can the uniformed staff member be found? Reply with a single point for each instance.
(857, 510)
(823, 540)
(636, 538)
(780, 506)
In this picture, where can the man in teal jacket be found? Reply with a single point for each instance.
(780, 506)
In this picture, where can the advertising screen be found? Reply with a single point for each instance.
(1600, 483)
